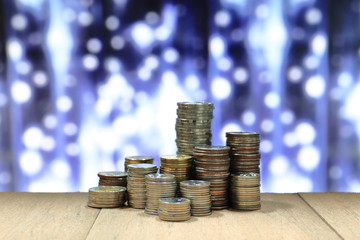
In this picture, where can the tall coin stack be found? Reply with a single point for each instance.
(245, 191)
(245, 156)
(136, 183)
(178, 164)
(193, 125)
(158, 186)
(212, 164)
(174, 209)
(112, 178)
(106, 196)
(137, 159)
(198, 192)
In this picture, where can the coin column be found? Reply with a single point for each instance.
(174, 209)
(198, 192)
(158, 186)
(245, 191)
(244, 153)
(106, 196)
(136, 183)
(137, 159)
(112, 178)
(212, 164)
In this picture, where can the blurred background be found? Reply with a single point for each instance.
(85, 83)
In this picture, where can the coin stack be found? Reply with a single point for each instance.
(136, 183)
(158, 186)
(174, 209)
(106, 196)
(245, 191)
(212, 164)
(137, 159)
(178, 164)
(112, 178)
(193, 125)
(245, 156)
(198, 192)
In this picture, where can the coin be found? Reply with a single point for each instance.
(137, 159)
(106, 196)
(245, 191)
(174, 209)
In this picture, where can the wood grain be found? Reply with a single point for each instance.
(340, 210)
(282, 216)
(45, 216)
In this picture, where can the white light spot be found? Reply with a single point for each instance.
(162, 33)
(287, 117)
(85, 19)
(192, 82)
(108, 140)
(240, 75)
(272, 100)
(266, 146)
(267, 125)
(171, 55)
(308, 158)
(169, 78)
(47, 144)
(141, 98)
(31, 162)
(94, 45)
(142, 35)
(117, 42)
(5, 178)
(144, 74)
(50, 121)
(313, 16)
(345, 80)
(290, 139)
(305, 133)
(311, 62)
(112, 65)
(220, 88)
(70, 129)
(19, 22)
(262, 11)
(40, 79)
(217, 46)
(222, 18)
(319, 44)
(90, 62)
(23, 67)
(152, 18)
(14, 49)
(224, 64)
(69, 15)
(229, 127)
(21, 92)
(72, 149)
(152, 62)
(315, 86)
(60, 169)
(130, 150)
(295, 74)
(103, 107)
(248, 118)
(335, 172)
(64, 103)
(112, 23)
(32, 137)
(279, 165)
(3, 100)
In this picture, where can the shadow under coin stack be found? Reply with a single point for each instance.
(245, 191)
(212, 164)
(158, 186)
(112, 178)
(244, 153)
(198, 192)
(137, 159)
(136, 183)
(193, 125)
(178, 164)
(174, 209)
(106, 197)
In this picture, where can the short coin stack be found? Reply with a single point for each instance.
(245, 156)
(136, 183)
(106, 196)
(137, 159)
(198, 192)
(245, 191)
(212, 164)
(158, 186)
(174, 209)
(193, 125)
(178, 164)
(112, 178)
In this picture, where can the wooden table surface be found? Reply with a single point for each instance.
(282, 216)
